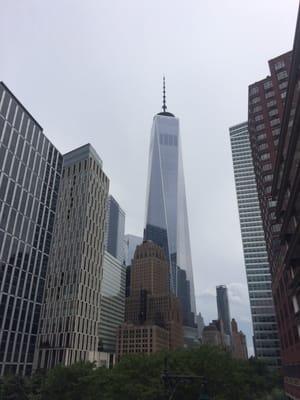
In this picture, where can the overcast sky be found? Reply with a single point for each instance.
(91, 71)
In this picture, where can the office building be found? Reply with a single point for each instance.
(166, 208)
(70, 317)
(114, 278)
(114, 229)
(286, 194)
(265, 335)
(223, 308)
(239, 343)
(30, 171)
(153, 319)
(112, 308)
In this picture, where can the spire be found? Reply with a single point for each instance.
(164, 106)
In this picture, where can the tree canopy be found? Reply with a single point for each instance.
(138, 377)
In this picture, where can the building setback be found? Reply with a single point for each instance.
(265, 335)
(153, 319)
(286, 194)
(30, 171)
(69, 326)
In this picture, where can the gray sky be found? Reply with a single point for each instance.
(91, 71)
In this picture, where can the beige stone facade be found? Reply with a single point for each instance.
(70, 314)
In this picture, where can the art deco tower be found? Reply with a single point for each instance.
(166, 209)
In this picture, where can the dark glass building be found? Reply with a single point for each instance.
(30, 171)
(114, 229)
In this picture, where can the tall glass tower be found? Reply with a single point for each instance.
(166, 209)
(266, 343)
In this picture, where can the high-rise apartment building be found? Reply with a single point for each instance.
(153, 318)
(166, 208)
(265, 108)
(265, 335)
(114, 229)
(223, 308)
(286, 194)
(70, 317)
(30, 171)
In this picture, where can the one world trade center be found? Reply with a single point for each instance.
(166, 208)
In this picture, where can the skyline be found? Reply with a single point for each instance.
(51, 92)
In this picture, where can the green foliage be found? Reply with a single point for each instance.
(138, 377)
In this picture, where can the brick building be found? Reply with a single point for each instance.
(286, 194)
(153, 319)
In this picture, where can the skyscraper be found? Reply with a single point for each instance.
(114, 229)
(30, 171)
(153, 319)
(266, 343)
(166, 209)
(223, 308)
(70, 317)
(112, 304)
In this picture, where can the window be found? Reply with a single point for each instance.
(268, 84)
(273, 112)
(261, 136)
(269, 94)
(283, 85)
(257, 109)
(265, 156)
(263, 146)
(260, 127)
(279, 64)
(267, 167)
(282, 75)
(259, 117)
(255, 100)
(275, 121)
(253, 90)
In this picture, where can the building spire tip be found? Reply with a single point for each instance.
(164, 106)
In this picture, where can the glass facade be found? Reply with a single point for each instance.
(112, 308)
(30, 171)
(266, 343)
(166, 209)
(114, 229)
